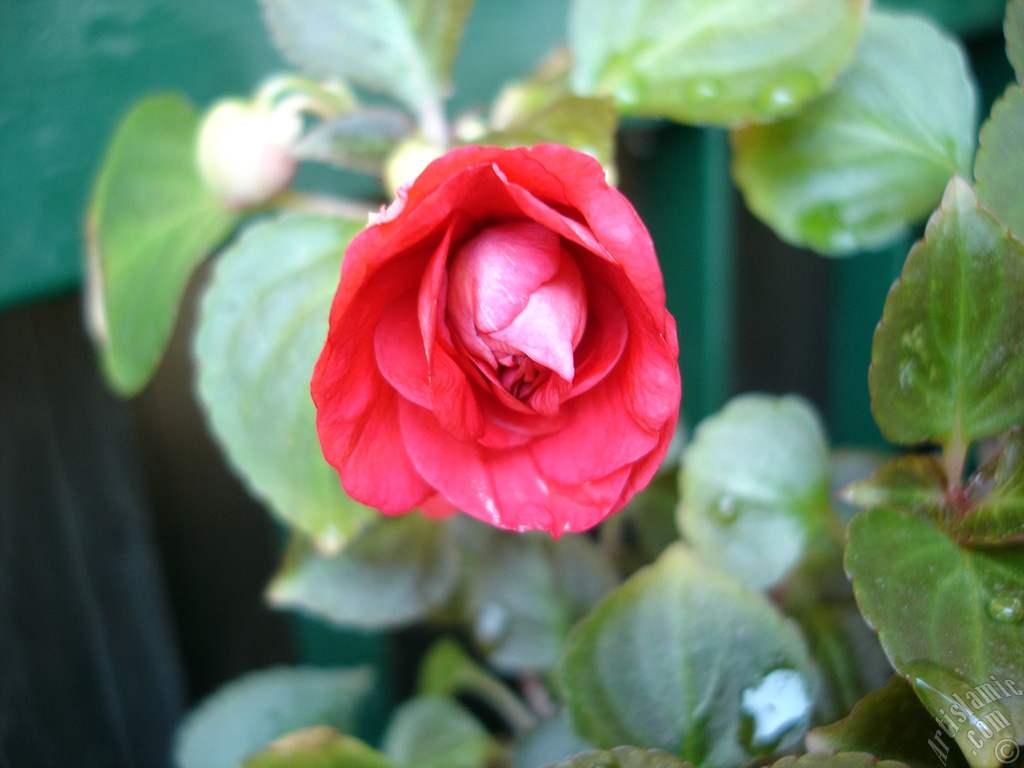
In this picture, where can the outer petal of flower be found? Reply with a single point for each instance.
(356, 408)
(346, 380)
(376, 469)
(609, 215)
(452, 397)
(398, 346)
(605, 338)
(505, 487)
(653, 383)
(645, 469)
(600, 436)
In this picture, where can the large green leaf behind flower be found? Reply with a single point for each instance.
(854, 169)
(262, 325)
(720, 62)
(684, 658)
(244, 716)
(151, 221)
(756, 488)
(1013, 29)
(394, 572)
(999, 166)
(405, 48)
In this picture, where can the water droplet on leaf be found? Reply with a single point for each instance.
(621, 81)
(1008, 609)
(787, 93)
(491, 624)
(772, 709)
(725, 509)
(628, 93)
(953, 699)
(702, 90)
(907, 375)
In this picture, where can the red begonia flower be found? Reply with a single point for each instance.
(499, 344)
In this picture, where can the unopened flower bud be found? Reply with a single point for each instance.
(244, 151)
(407, 162)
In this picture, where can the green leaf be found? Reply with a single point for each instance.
(651, 514)
(720, 62)
(890, 723)
(585, 124)
(857, 167)
(683, 658)
(552, 739)
(360, 141)
(755, 483)
(396, 571)
(948, 357)
(949, 619)
(1013, 29)
(996, 514)
(262, 325)
(448, 670)
(546, 85)
(151, 221)
(402, 47)
(840, 760)
(624, 757)
(999, 166)
(527, 591)
(915, 483)
(318, 747)
(247, 714)
(437, 732)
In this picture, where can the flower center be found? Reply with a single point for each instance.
(518, 305)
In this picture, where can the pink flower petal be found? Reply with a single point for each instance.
(602, 431)
(608, 215)
(374, 465)
(494, 273)
(398, 346)
(506, 488)
(551, 324)
(452, 395)
(346, 380)
(606, 334)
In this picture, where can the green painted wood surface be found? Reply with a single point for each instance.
(965, 17)
(678, 179)
(69, 70)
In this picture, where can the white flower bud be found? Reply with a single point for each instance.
(244, 151)
(407, 162)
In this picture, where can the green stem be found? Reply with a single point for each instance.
(502, 700)
(434, 124)
(954, 456)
